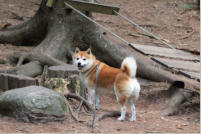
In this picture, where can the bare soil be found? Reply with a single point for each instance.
(167, 19)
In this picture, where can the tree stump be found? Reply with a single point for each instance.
(63, 79)
(62, 71)
(10, 81)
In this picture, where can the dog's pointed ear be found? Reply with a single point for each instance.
(77, 50)
(89, 50)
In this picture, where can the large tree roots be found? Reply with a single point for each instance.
(178, 95)
(28, 33)
(57, 32)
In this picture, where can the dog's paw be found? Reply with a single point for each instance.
(90, 102)
(132, 119)
(120, 119)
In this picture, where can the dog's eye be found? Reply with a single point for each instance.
(84, 59)
(77, 58)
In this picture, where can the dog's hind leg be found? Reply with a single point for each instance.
(132, 107)
(121, 99)
(122, 102)
(123, 113)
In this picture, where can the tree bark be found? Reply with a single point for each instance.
(30, 32)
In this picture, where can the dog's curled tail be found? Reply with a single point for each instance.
(129, 66)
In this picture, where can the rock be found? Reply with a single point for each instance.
(32, 104)
(11, 81)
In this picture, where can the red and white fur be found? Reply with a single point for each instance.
(123, 81)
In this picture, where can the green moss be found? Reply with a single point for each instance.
(188, 6)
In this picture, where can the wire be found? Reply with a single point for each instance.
(135, 24)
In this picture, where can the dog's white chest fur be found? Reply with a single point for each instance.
(84, 80)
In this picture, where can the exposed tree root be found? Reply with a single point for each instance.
(30, 69)
(71, 111)
(20, 61)
(178, 96)
(80, 106)
(30, 32)
(36, 62)
(42, 58)
(79, 98)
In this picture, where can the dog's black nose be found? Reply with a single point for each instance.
(79, 64)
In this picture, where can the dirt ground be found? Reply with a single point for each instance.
(168, 19)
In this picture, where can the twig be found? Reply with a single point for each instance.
(133, 35)
(148, 35)
(16, 16)
(187, 36)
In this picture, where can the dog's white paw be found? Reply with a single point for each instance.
(120, 119)
(132, 119)
(90, 102)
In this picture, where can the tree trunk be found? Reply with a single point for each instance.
(58, 31)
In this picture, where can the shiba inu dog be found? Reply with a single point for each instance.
(123, 81)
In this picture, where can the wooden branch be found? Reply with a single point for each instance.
(80, 98)
(71, 111)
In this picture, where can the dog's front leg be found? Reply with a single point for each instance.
(91, 98)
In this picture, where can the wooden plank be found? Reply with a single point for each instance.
(194, 75)
(84, 6)
(178, 64)
(164, 52)
(92, 7)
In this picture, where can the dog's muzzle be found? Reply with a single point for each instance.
(79, 66)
